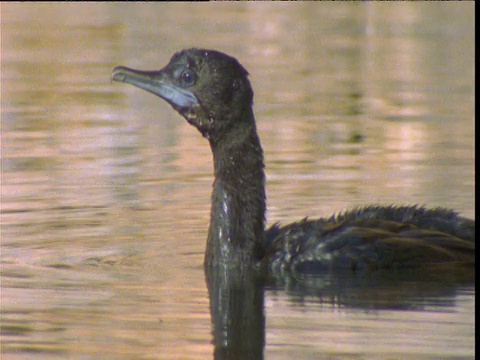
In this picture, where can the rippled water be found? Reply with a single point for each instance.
(105, 190)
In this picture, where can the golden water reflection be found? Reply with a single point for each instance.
(105, 190)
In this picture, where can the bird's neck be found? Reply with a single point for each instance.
(237, 218)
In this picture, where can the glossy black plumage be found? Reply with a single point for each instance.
(212, 92)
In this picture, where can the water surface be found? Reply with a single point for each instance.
(105, 189)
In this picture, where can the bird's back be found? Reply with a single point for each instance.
(372, 238)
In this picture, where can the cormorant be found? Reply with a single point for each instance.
(211, 90)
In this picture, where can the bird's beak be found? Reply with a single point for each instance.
(157, 83)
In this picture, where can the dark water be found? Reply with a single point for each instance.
(105, 190)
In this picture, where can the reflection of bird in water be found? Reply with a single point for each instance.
(212, 92)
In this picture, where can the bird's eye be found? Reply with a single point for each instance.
(187, 77)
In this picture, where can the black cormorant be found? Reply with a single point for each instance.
(211, 90)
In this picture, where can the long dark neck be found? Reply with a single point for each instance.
(238, 199)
